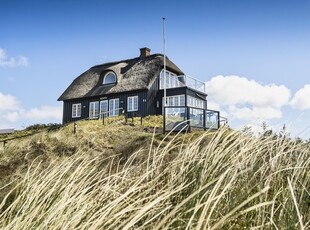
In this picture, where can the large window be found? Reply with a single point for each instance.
(109, 78)
(195, 102)
(132, 104)
(104, 108)
(177, 100)
(172, 80)
(94, 110)
(76, 110)
(114, 107)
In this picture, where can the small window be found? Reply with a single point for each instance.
(132, 104)
(109, 78)
(76, 110)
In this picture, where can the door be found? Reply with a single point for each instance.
(104, 108)
(114, 107)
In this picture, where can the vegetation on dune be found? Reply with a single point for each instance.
(121, 177)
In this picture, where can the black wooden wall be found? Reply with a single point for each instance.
(142, 104)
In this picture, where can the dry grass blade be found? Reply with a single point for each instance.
(295, 203)
(118, 176)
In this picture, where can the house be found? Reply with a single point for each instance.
(6, 131)
(136, 87)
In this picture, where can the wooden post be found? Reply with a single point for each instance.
(103, 118)
(74, 127)
(141, 121)
(4, 143)
(132, 118)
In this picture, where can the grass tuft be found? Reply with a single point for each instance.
(120, 176)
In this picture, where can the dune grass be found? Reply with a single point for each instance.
(204, 180)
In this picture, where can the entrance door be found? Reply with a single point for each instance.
(104, 108)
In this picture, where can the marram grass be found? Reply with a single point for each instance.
(226, 180)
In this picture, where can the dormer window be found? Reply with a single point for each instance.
(109, 78)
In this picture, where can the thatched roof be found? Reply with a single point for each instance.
(132, 74)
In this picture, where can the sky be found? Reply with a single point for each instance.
(254, 55)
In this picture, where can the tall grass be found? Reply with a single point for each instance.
(226, 180)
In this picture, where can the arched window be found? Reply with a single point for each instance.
(109, 78)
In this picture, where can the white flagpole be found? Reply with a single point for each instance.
(164, 37)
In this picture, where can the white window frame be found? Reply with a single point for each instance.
(132, 103)
(104, 78)
(76, 110)
(113, 111)
(195, 102)
(92, 110)
(172, 100)
(172, 80)
(104, 112)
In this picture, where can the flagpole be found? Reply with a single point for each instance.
(164, 41)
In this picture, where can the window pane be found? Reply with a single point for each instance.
(93, 109)
(176, 101)
(114, 107)
(104, 108)
(129, 107)
(96, 109)
(111, 106)
(182, 100)
(135, 107)
(76, 110)
(109, 78)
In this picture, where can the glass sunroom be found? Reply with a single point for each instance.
(186, 104)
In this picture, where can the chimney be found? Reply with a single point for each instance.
(145, 52)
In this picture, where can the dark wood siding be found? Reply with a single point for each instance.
(147, 101)
(152, 95)
(142, 104)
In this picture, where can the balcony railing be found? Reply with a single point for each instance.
(194, 83)
(178, 118)
(174, 81)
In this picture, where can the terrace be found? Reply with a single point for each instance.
(175, 81)
(179, 114)
(177, 118)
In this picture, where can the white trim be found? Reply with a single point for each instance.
(92, 110)
(113, 109)
(76, 110)
(172, 98)
(103, 80)
(134, 103)
(106, 109)
(195, 102)
(170, 81)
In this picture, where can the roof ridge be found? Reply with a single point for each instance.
(126, 60)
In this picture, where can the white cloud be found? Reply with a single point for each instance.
(11, 116)
(247, 100)
(255, 113)
(44, 112)
(12, 113)
(6, 61)
(8, 103)
(301, 99)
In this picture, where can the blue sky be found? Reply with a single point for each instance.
(253, 54)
